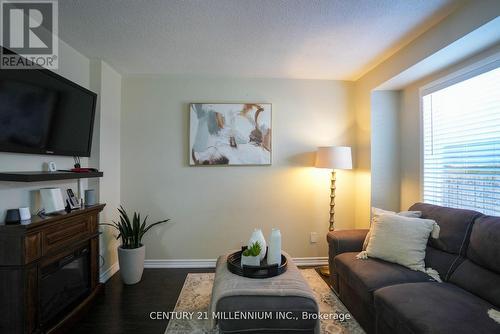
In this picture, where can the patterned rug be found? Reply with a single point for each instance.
(195, 297)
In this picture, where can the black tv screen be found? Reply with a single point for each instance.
(44, 113)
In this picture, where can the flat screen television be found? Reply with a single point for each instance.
(44, 113)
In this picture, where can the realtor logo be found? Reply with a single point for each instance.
(29, 34)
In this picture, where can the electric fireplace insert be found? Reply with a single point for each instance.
(63, 283)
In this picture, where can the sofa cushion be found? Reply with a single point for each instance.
(366, 276)
(455, 226)
(400, 239)
(478, 280)
(376, 212)
(480, 273)
(445, 263)
(484, 245)
(431, 308)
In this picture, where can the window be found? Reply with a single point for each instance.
(461, 144)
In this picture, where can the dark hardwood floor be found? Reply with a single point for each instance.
(123, 309)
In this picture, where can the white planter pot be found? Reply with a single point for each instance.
(259, 237)
(131, 264)
(250, 260)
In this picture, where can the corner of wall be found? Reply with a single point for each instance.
(385, 149)
(106, 82)
(466, 18)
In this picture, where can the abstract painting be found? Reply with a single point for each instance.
(230, 134)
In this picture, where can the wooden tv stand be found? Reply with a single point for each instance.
(40, 257)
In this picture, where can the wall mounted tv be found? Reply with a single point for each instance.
(44, 113)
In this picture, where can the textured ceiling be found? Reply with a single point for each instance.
(320, 39)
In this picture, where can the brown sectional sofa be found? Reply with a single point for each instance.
(388, 298)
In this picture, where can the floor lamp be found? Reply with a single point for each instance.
(333, 157)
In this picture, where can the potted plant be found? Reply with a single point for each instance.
(251, 255)
(131, 252)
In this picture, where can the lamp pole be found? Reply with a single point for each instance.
(325, 270)
(332, 200)
(333, 157)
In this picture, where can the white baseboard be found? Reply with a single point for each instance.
(210, 263)
(200, 263)
(109, 272)
(311, 261)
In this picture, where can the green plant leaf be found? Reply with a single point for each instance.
(253, 250)
(135, 228)
(154, 224)
(131, 231)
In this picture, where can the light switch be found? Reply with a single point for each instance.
(314, 237)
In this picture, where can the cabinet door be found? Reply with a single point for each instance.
(31, 299)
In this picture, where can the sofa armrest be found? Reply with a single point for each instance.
(343, 241)
(346, 241)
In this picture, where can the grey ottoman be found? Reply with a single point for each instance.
(281, 304)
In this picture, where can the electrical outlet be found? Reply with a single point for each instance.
(314, 237)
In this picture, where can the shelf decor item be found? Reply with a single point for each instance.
(132, 252)
(52, 167)
(90, 197)
(13, 216)
(257, 236)
(264, 270)
(230, 134)
(333, 157)
(251, 255)
(24, 213)
(274, 251)
(52, 200)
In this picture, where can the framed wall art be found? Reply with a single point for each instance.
(230, 134)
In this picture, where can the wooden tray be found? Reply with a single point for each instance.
(262, 271)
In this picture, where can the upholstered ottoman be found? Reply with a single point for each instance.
(280, 304)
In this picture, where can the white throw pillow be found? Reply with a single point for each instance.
(494, 314)
(376, 212)
(400, 240)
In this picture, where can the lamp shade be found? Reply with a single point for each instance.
(334, 157)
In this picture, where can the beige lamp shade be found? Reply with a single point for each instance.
(334, 157)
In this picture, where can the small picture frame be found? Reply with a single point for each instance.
(52, 166)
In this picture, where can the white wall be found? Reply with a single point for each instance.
(75, 67)
(214, 209)
(410, 126)
(107, 82)
(385, 150)
(467, 18)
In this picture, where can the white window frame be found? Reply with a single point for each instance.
(485, 65)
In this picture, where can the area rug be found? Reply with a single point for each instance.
(195, 298)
